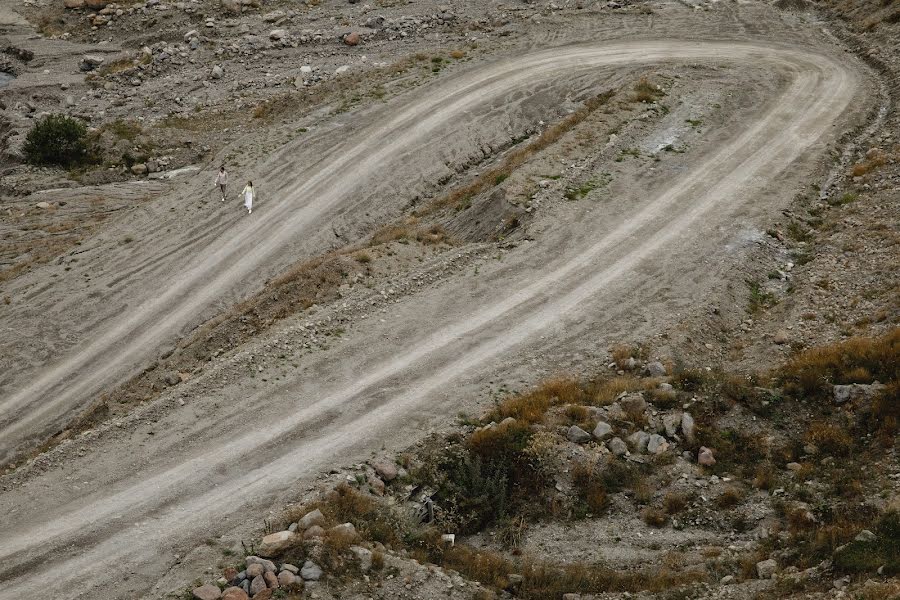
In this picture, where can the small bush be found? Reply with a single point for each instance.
(56, 140)
(884, 550)
(675, 502)
(729, 498)
(589, 486)
(654, 517)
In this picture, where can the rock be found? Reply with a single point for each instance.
(705, 457)
(273, 16)
(234, 593)
(352, 39)
(286, 579)
(152, 166)
(267, 565)
(257, 585)
(73, 3)
(639, 441)
(277, 34)
(671, 423)
(313, 517)
(272, 580)
(633, 404)
(190, 35)
(657, 444)
(666, 387)
(310, 571)
(207, 592)
(42, 205)
(255, 570)
(290, 567)
(96, 4)
(727, 580)
(230, 574)
(231, 6)
(216, 72)
(313, 532)
(656, 369)
(89, 62)
(141, 169)
(275, 543)
(265, 594)
(688, 429)
(617, 446)
(765, 569)
(515, 579)
(386, 470)
(364, 555)
(865, 536)
(781, 337)
(578, 435)
(855, 391)
(603, 430)
(306, 69)
(793, 466)
(344, 529)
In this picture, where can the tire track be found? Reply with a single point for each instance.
(820, 91)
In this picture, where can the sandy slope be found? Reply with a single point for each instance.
(388, 375)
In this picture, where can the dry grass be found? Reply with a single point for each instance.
(605, 392)
(654, 517)
(646, 92)
(858, 360)
(532, 406)
(675, 502)
(829, 438)
(867, 166)
(589, 485)
(730, 497)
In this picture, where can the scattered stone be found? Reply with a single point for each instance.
(217, 72)
(793, 466)
(657, 444)
(603, 430)
(633, 403)
(617, 446)
(277, 34)
(255, 570)
(257, 585)
(89, 62)
(688, 428)
(73, 3)
(656, 369)
(578, 435)
(96, 4)
(272, 580)
(705, 457)
(207, 592)
(865, 536)
(140, 169)
(386, 469)
(728, 579)
(275, 543)
(344, 529)
(290, 567)
(42, 205)
(313, 517)
(781, 337)
(639, 441)
(286, 579)
(352, 39)
(234, 593)
(310, 571)
(342, 69)
(765, 569)
(313, 532)
(267, 565)
(855, 391)
(231, 6)
(671, 423)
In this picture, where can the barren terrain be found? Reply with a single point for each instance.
(486, 196)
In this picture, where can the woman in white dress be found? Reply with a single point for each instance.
(248, 197)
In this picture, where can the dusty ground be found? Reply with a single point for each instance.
(644, 222)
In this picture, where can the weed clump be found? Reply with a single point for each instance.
(56, 140)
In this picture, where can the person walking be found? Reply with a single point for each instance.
(248, 197)
(222, 181)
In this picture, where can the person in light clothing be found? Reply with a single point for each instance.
(222, 181)
(248, 197)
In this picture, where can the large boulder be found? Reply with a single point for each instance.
(603, 430)
(276, 543)
(657, 444)
(578, 435)
(73, 3)
(639, 441)
(313, 517)
(855, 391)
(765, 569)
(705, 457)
(617, 446)
(311, 571)
(234, 593)
(688, 428)
(207, 592)
(386, 469)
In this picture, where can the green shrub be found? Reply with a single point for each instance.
(56, 140)
(883, 551)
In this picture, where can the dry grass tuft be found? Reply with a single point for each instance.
(589, 485)
(654, 517)
(730, 497)
(646, 92)
(675, 502)
(829, 438)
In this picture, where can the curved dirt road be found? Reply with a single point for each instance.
(55, 545)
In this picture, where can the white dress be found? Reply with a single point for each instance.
(248, 197)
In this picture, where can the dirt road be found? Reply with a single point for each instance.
(129, 504)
